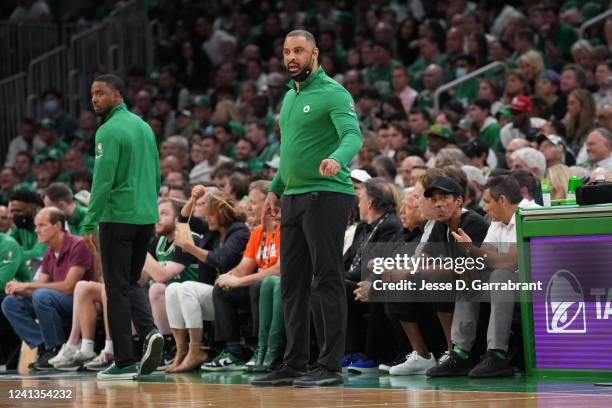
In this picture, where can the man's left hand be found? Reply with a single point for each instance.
(226, 282)
(362, 293)
(15, 288)
(329, 167)
(90, 242)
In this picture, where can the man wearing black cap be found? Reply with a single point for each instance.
(447, 198)
(480, 113)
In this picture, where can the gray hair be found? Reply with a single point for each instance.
(380, 192)
(452, 156)
(605, 133)
(581, 45)
(180, 141)
(532, 158)
(474, 174)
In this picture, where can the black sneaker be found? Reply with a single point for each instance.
(168, 355)
(42, 362)
(319, 377)
(492, 365)
(283, 376)
(452, 366)
(152, 353)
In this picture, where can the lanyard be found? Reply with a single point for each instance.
(357, 259)
(263, 247)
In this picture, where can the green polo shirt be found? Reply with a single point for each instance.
(12, 262)
(126, 178)
(318, 121)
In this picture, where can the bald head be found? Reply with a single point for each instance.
(51, 215)
(604, 117)
(432, 77)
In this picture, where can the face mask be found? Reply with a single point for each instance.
(24, 222)
(459, 72)
(50, 106)
(302, 75)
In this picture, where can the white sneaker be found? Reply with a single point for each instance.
(75, 363)
(101, 362)
(414, 364)
(444, 357)
(64, 355)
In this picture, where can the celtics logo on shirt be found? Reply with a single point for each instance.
(99, 150)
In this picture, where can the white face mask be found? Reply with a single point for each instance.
(459, 72)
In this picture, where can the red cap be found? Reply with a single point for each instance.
(521, 103)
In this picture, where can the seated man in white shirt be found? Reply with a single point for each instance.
(598, 147)
(502, 196)
(530, 188)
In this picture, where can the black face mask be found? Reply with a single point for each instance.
(24, 222)
(302, 75)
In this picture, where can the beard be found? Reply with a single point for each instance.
(164, 230)
(302, 74)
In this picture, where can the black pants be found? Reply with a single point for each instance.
(123, 248)
(368, 329)
(227, 304)
(312, 233)
(10, 341)
(425, 315)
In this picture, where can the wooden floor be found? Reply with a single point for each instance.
(197, 391)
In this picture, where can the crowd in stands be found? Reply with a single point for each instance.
(427, 167)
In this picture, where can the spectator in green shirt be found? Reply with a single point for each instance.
(430, 52)
(12, 264)
(379, 76)
(556, 37)
(5, 221)
(59, 195)
(245, 154)
(24, 204)
(12, 267)
(480, 113)
(432, 79)
(419, 122)
(257, 132)
(49, 134)
(8, 181)
(465, 92)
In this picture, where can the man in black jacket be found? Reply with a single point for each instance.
(379, 224)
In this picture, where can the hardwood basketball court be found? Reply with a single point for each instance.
(231, 389)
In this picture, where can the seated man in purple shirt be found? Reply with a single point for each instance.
(36, 309)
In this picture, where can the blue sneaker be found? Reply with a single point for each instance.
(348, 360)
(362, 366)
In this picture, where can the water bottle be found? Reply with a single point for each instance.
(546, 192)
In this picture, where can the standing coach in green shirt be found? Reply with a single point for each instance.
(123, 202)
(320, 135)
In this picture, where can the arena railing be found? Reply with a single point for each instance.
(134, 9)
(468, 77)
(50, 70)
(21, 42)
(595, 20)
(116, 45)
(12, 106)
